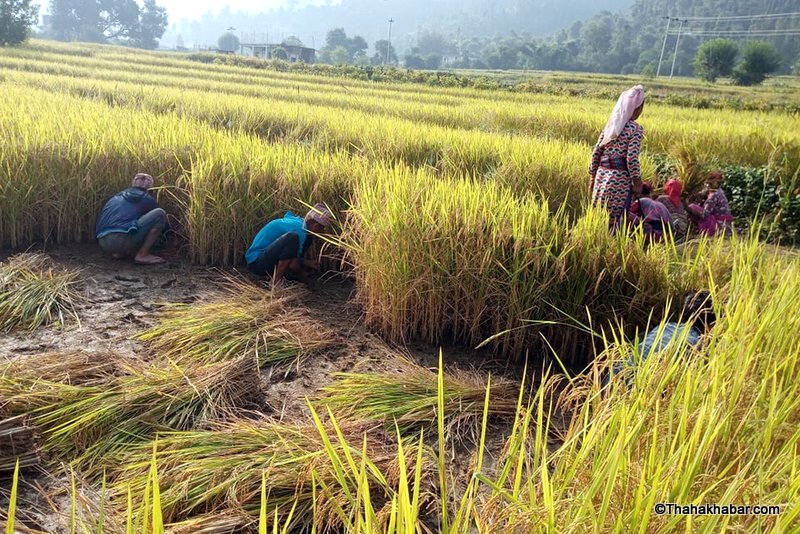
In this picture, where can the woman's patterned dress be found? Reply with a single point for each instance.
(614, 167)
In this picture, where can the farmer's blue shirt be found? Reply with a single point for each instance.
(657, 340)
(273, 230)
(122, 211)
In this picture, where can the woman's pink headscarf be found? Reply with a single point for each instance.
(673, 188)
(623, 111)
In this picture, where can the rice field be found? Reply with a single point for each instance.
(463, 219)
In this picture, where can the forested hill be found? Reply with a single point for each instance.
(369, 18)
(631, 42)
(651, 13)
(650, 9)
(614, 36)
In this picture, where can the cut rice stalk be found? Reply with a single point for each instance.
(248, 320)
(34, 293)
(407, 394)
(213, 472)
(16, 444)
(89, 425)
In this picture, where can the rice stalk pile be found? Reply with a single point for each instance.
(34, 293)
(17, 436)
(408, 395)
(247, 320)
(16, 443)
(86, 425)
(76, 367)
(311, 471)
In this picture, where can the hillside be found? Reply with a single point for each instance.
(370, 19)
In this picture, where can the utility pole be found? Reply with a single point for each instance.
(389, 45)
(231, 29)
(677, 41)
(663, 46)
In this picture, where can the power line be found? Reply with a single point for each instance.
(677, 41)
(663, 47)
(739, 33)
(686, 28)
(742, 17)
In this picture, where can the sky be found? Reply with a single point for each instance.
(194, 9)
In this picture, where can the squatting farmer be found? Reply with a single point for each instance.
(279, 247)
(132, 222)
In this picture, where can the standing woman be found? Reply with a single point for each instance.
(615, 171)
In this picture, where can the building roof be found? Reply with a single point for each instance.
(276, 45)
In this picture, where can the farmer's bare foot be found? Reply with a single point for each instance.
(148, 259)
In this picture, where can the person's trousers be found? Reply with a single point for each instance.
(283, 248)
(129, 243)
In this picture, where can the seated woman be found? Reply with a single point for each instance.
(652, 215)
(714, 216)
(672, 201)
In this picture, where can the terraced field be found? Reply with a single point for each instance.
(463, 220)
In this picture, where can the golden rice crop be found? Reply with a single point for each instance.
(459, 260)
(719, 426)
(731, 137)
(59, 168)
(56, 179)
(468, 152)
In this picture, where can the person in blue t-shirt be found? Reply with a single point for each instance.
(696, 319)
(132, 222)
(280, 245)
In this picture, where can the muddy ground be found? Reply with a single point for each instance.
(122, 299)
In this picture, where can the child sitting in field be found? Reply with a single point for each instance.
(673, 202)
(651, 214)
(714, 216)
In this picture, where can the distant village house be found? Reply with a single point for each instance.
(289, 52)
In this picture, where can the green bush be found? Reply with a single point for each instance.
(715, 59)
(758, 60)
(763, 193)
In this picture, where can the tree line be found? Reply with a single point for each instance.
(747, 64)
(98, 21)
(616, 43)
